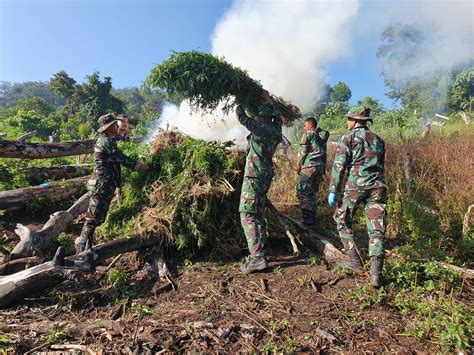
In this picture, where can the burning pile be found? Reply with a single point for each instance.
(193, 199)
(207, 81)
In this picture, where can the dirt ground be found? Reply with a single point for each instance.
(300, 304)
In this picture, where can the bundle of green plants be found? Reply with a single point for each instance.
(208, 81)
(191, 201)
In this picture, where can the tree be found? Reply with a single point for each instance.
(10, 93)
(461, 92)
(36, 105)
(84, 102)
(374, 105)
(340, 92)
(401, 48)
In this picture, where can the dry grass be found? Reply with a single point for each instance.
(442, 177)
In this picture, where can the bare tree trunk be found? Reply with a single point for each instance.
(42, 241)
(13, 288)
(407, 169)
(36, 175)
(466, 223)
(465, 117)
(16, 200)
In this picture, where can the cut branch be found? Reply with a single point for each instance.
(42, 241)
(26, 136)
(468, 273)
(19, 264)
(328, 249)
(15, 287)
(15, 200)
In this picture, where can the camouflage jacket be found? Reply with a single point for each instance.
(263, 140)
(108, 158)
(313, 148)
(361, 152)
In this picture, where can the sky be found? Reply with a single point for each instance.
(124, 39)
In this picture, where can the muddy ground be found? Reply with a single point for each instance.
(301, 304)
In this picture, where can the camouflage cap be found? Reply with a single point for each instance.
(267, 109)
(359, 112)
(105, 121)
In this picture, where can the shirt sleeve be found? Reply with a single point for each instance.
(304, 149)
(125, 160)
(252, 125)
(341, 160)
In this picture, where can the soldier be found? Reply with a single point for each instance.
(361, 153)
(265, 134)
(311, 168)
(106, 178)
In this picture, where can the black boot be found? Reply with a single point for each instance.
(354, 264)
(308, 217)
(254, 263)
(376, 266)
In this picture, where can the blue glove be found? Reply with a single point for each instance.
(332, 199)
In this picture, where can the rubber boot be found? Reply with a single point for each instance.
(354, 264)
(254, 263)
(308, 217)
(376, 266)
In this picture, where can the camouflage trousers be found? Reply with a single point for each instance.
(375, 201)
(101, 195)
(308, 186)
(253, 200)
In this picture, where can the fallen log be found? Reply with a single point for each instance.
(25, 150)
(15, 200)
(467, 273)
(37, 175)
(43, 240)
(15, 287)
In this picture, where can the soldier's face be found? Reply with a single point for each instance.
(113, 130)
(308, 126)
(351, 124)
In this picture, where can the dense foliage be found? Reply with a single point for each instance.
(208, 82)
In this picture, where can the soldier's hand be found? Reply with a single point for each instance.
(332, 199)
(143, 167)
(266, 95)
(298, 169)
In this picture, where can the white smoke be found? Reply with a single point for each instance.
(446, 28)
(215, 126)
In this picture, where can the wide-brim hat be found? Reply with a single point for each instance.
(361, 113)
(105, 121)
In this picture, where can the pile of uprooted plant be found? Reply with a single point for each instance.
(209, 82)
(192, 198)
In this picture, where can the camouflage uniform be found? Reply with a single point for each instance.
(361, 152)
(312, 159)
(263, 140)
(106, 178)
